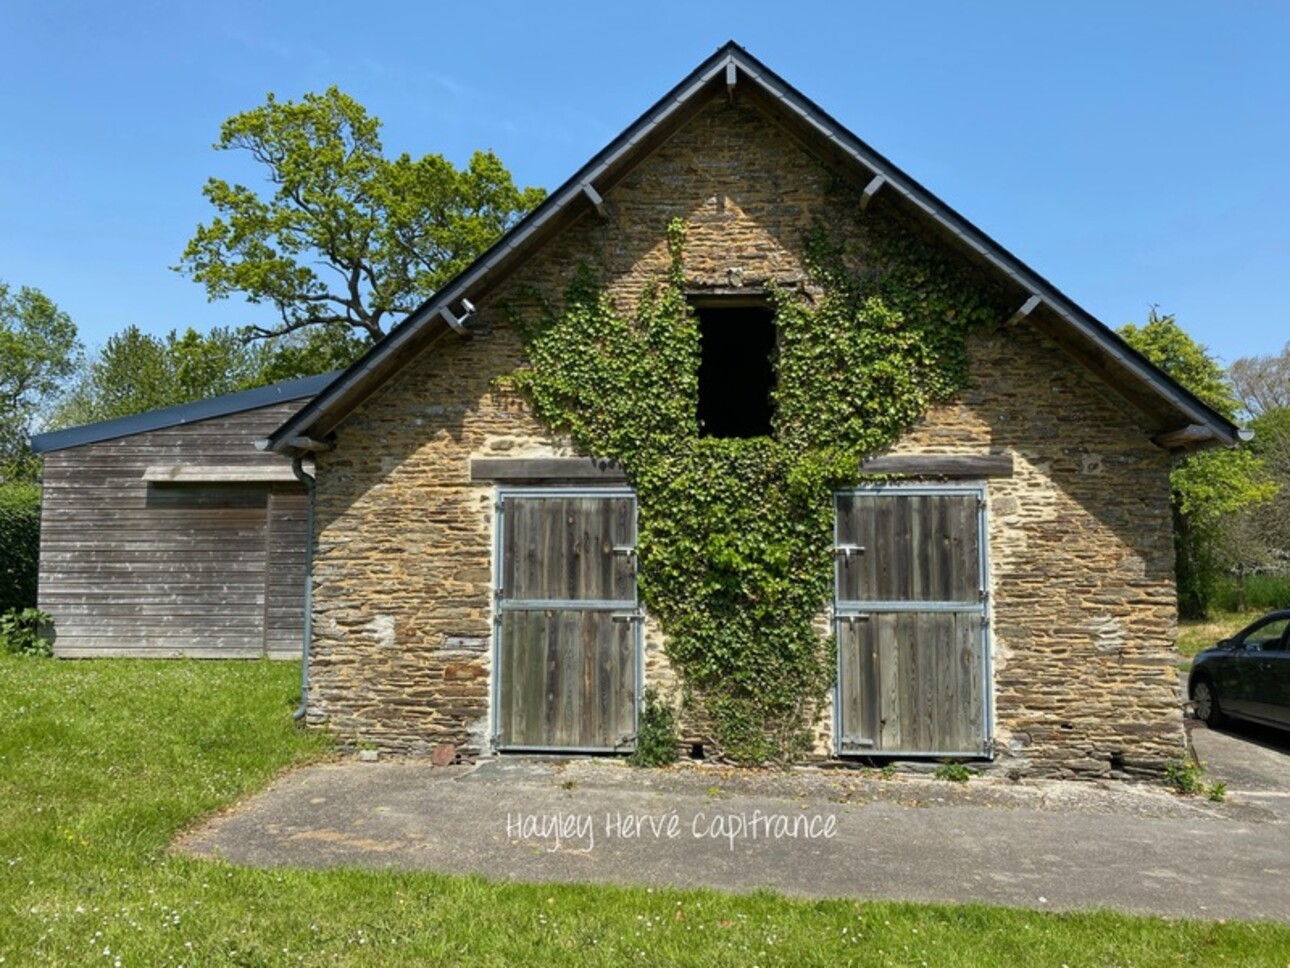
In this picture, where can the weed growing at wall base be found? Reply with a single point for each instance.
(22, 632)
(656, 736)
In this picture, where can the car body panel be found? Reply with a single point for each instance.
(1270, 698)
(1250, 672)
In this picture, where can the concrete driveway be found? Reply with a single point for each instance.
(819, 833)
(1254, 762)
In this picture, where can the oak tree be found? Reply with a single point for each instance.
(343, 236)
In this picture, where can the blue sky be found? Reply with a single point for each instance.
(1132, 153)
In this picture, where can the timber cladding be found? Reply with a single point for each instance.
(210, 568)
(1074, 674)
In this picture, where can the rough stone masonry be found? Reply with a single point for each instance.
(1081, 558)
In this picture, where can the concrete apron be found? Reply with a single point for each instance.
(1046, 845)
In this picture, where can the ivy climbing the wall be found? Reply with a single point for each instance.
(736, 535)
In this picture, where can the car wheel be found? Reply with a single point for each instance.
(1205, 697)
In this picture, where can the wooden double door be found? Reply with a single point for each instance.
(567, 633)
(913, 671)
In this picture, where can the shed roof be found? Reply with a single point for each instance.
(186, 413)
(1174, 416)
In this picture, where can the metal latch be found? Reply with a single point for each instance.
(635, 616)
(847, 550)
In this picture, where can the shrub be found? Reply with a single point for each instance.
(19, 545)
(21, 632)
(1263, 592)
(656, 737)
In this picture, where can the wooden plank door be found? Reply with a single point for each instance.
(913, 676)
(567, 624)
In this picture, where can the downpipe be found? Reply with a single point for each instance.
(309, 481)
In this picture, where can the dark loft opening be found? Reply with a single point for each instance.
(736, 376)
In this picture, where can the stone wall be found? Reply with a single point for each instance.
(1083, 615)
(1081, 554)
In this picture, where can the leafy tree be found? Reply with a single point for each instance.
(136, 371)
(307, 352)
(1208, 487)
(346, 238)
(1259, 536)
(38, 349)
(1262, 383)
(1165, 344)
(1271, 440)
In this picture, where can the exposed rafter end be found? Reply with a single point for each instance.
(1028, 307)
(310, 445)
(871, 190)
(596, 201)
(1188, 436)
(732, 79)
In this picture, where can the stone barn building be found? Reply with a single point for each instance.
(1003, 587)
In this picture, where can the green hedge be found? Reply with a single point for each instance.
(1263, 593)
(19, 544)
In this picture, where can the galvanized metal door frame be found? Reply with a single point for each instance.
(499, 605)
(843, 610)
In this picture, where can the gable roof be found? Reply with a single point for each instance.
(1176, 417)
(140, 423)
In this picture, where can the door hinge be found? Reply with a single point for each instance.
(847, 550)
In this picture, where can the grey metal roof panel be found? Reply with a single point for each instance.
(332, 403)
(186, 413)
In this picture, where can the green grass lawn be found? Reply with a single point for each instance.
(102, 762)
(1201, 634)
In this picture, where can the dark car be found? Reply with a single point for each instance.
(1246, 676)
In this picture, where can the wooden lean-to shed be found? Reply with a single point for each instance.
(169, 534)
